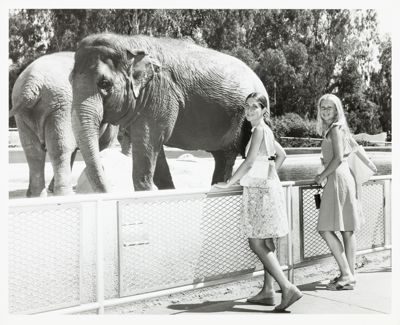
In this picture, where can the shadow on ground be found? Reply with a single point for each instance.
(16, 194)
(219, 306)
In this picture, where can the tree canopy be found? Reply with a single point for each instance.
(298, 54)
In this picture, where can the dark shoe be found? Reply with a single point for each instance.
(340, 286)
(263, 301)
(335, 279)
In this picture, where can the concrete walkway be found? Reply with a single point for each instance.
(372, 295)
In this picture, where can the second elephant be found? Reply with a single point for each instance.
(41, 100)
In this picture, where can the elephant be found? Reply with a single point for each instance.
(162, 91)
(41, 104)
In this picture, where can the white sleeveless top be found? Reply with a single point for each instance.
(260, 173)
(267, 147)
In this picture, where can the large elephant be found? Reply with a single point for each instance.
(162, 91)
(41, 100)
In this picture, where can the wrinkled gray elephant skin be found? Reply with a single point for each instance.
(41, 100)
(163, 92)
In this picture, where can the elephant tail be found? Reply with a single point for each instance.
(25, 99)
(245, 136)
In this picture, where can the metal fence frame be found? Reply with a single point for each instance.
(100, 200)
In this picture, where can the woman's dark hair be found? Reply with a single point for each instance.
(264, 102)
(246, 126)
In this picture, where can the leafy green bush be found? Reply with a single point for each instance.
(293, 125)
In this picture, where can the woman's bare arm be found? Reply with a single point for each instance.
(337, 146)
(280, 155)
(256, 140)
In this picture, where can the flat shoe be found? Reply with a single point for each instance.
(341, 286)
(294, 296)
(334, 280)
(263, 301)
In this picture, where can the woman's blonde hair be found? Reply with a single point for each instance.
(340, 120)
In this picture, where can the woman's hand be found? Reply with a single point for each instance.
(221, 185)
(318, 179)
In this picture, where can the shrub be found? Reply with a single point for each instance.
(293, 125)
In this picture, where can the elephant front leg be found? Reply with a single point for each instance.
(107, 136)
(143, 166)
(145, 149)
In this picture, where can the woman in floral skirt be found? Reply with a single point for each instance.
(264, 208)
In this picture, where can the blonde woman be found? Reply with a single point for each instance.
(339, 210)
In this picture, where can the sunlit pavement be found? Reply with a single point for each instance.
(372, 295)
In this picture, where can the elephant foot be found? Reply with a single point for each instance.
(61, 191)
(31, 194)
(51, 186)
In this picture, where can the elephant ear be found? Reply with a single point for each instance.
(135, 55)
(142, 68)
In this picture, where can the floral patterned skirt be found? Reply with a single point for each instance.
(264, 211)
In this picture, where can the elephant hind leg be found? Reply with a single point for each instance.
(35, 157)
(224, 161)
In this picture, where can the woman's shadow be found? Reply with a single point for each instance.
(242, 306)
(217, 306)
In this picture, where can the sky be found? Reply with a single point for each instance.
(385, 21)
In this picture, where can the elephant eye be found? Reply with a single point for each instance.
(104, 84)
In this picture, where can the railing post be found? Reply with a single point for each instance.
(99, 257)
(387, 211)
(289, 236)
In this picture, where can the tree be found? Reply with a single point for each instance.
(381, 85)
(298, 54)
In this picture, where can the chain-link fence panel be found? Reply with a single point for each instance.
(43, 257)
(225, 249)
(372, 231)
(173, 242)
(312, 243)
(370, 235)
(158, 242)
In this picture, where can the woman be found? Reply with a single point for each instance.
(264, 209)
(339, 210)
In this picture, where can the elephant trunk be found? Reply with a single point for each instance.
(87, 114)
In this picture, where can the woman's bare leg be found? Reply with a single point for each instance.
(263, 250)
(267, 291)
(338, 253)
(349, 241)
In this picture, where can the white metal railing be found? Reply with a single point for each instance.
(320, 139)
(102, 207)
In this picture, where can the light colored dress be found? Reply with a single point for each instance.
(264, 209)
(339, 210)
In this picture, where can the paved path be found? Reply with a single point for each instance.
(371, 296)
